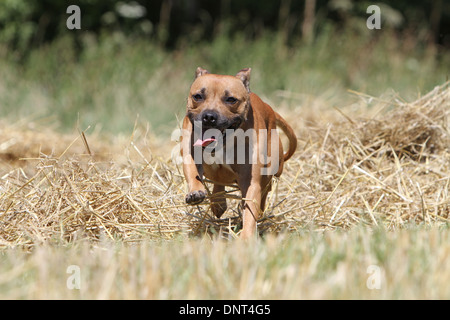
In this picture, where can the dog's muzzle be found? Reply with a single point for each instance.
(210, 119)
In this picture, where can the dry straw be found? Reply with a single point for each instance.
(390, 169)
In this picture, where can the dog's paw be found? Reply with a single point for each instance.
(195, 197)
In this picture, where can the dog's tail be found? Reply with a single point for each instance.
(290, 134)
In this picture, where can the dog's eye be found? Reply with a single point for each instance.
(231, 100)
(197, 97)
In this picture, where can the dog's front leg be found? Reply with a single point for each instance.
(251, 193)
(193, 172)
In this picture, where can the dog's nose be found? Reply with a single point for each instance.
(209, 118)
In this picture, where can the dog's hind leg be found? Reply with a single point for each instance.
(218, 200)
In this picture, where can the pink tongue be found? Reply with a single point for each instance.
(203, 143)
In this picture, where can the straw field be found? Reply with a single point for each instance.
(377, 163)
(389, 167)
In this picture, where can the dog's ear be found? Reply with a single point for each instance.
(200, 72)
(244, 76)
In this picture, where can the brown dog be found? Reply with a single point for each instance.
(212, 144)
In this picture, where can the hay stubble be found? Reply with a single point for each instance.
(388, 166)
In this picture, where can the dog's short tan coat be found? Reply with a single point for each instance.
(225, 102)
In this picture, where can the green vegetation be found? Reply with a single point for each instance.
(118, 66)
(114, 80)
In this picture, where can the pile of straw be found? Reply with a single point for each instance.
(392, 169)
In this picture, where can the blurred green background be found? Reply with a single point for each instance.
(138, 57)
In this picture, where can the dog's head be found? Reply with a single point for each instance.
(219, 101)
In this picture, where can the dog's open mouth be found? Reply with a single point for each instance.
(204, 142)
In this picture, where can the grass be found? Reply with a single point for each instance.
(114, 79)
(413, 264)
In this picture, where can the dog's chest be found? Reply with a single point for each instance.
(220, 173)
